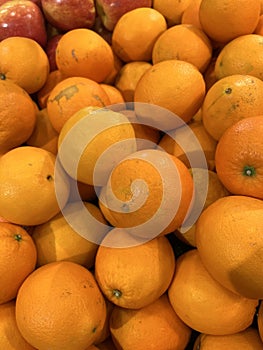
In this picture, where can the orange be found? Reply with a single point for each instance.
(43, 135)
(182, 96)
(146, 135)
(242, 55)
(59, 306)
(83, 52)
(99, 139)
(84, 192)
(28, 190)
(149, 193)
(229, 100)
(239, 162)
(128, 77)
(117, 64)
(209, 74)
(246, 340)
(53, 78)
(156, 324)
(184, 42)
(23, 61)
(260, 321)
(117, 10)
(259, 27)
(225, 21)
(229, 241)
(18, 259)
(182, 143)
(135, 33)
(172, 10)
(57, 240)
(72, 94)
(203, 303)
(104, 334)
(114, 94)
(10, 337)
(132, 273)
(215, 190)
(17, 129)
(191, 14)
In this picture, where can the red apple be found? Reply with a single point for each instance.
(111, 10)
(51, 50)
(69, 14)
(22, 18)
(101, 30)
(38, 2)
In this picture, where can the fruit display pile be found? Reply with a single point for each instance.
(131, 175)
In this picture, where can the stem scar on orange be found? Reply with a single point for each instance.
(239, 157)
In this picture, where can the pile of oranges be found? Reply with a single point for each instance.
(131, 183)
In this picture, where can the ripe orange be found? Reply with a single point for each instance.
(104, 334)
(229, 100)
(242, 55)
(23, 61)
(28, 190)
(117, 64)
(84, 192)
(239, 162)
(17, 124)
(229, 242)
(59, 306)
(53, 79)
(225, 21)
(146, 135)
(114, 94)
(215, 190)
(172, 10)
(142, 26)
(156, 324)
(108, 138)
(57, 240)
(184, 42)
(128, 77)
(72, 94)
(132, 273)
(182, 96)
(203, 303)
(209, 74)
(149, 193)
(246, 340)
(43, 135)
(191, 14)
(181, 143)
(259, 27)
(10, 337)
(83, 52)
(18, 259)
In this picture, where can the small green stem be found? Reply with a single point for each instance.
(249, 171)
(117, 293)
(18, 237)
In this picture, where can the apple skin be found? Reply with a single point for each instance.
(50, 50)
(38, 2)
(22, 18)
(66, 15)
(101, 30)
(111, 10)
